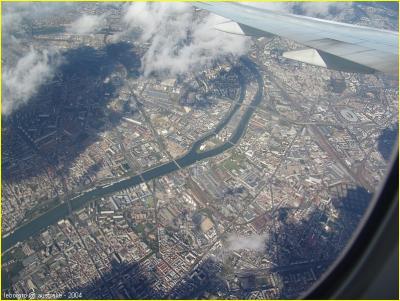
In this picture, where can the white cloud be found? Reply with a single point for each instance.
(312, 9)
(179, 42)
(24, 68)
(23, 80)
(86, 24)
(322, 9)
(152, 17)
(15, 14)
(254, 242)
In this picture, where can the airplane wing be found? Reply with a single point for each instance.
(333, 45)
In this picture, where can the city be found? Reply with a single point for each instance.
(242, 180)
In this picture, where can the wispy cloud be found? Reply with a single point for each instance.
(179, 40)
(23, 80)
(87, 24)
(312, 9)
(254, 242)
(25, 69)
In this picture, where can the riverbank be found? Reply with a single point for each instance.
(192, 156)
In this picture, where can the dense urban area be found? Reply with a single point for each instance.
(244, 179)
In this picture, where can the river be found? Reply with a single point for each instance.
(193, 155)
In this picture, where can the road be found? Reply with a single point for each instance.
(191, 157)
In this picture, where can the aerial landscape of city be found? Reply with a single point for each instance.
(146, 155)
